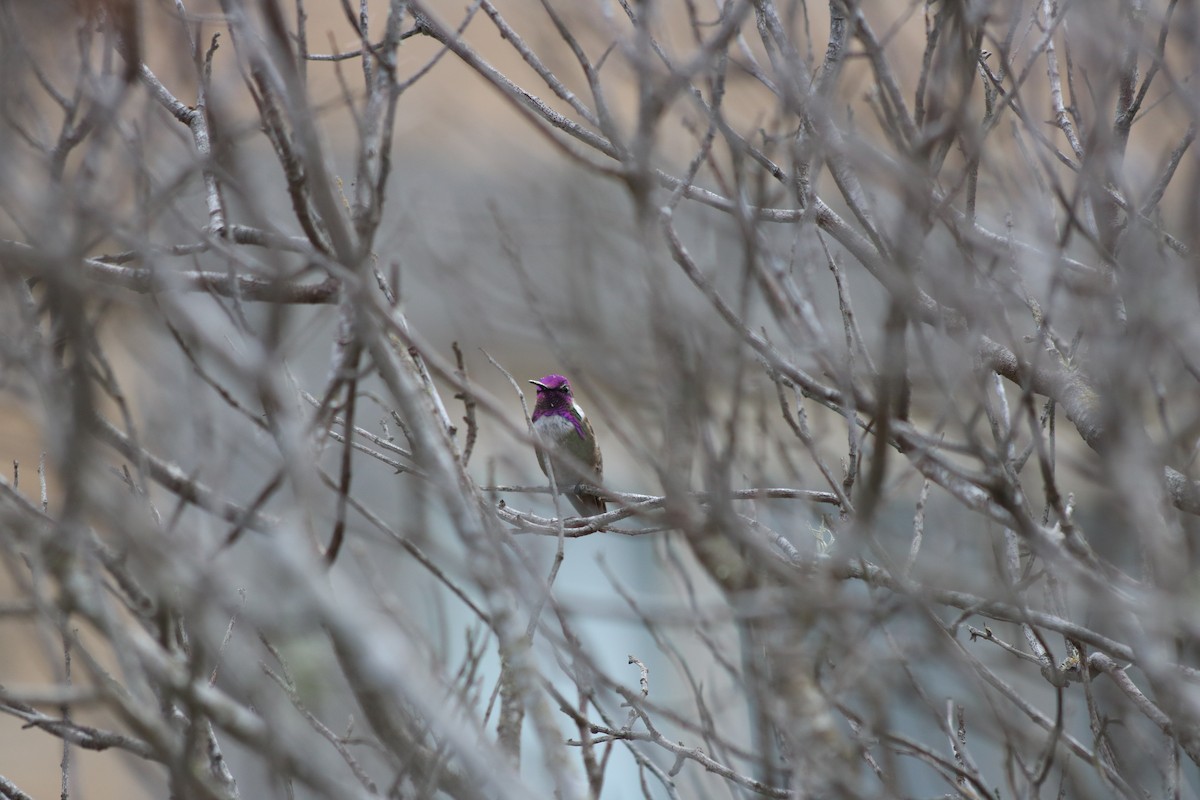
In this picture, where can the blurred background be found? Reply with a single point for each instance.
(497, 233)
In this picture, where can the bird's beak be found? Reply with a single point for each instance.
(538, 384)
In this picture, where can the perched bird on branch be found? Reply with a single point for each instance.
(568, 443)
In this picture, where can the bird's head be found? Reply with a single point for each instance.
(553, 391)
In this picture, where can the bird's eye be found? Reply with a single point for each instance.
(564, 388)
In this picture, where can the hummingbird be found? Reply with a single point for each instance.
(567, 438)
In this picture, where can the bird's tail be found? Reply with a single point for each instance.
(587, 505)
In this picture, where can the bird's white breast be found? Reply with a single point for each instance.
(555, 429)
